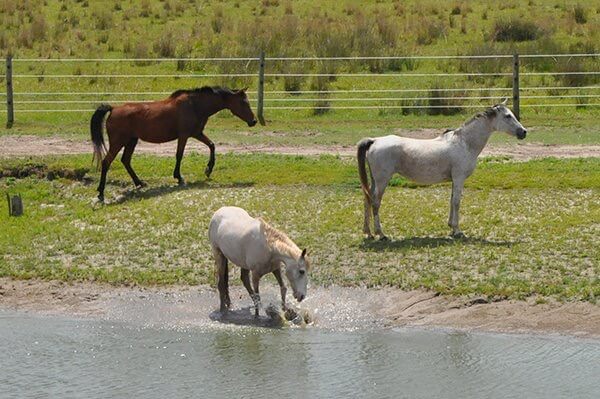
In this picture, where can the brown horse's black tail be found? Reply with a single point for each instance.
(96, 131)
(361, 155)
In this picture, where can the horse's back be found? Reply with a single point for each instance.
(237, 235)
(424, 161)
(155, 121)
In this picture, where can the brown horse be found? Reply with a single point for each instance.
(181, 116)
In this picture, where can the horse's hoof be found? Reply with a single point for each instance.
(384, 238)
(181, 183)
(459, 235)
(141, 184)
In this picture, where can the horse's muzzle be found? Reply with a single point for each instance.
(252, 122)
(521, 133)
(300, 297)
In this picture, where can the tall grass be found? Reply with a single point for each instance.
(515, 30)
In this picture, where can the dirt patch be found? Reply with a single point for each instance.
(19, 146)
(332, 307)
(43, 171)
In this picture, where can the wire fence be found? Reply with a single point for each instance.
(42, 86)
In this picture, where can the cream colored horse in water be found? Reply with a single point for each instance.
(257, 247)
(449, 157)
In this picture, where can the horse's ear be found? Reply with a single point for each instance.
(505, 101)
(303, 253)
(242, 91)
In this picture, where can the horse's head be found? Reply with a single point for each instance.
(297, 274)
(239, 105)
(505, 121)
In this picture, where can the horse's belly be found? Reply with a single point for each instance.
(425, 171)
(155, 136)
(426, 177)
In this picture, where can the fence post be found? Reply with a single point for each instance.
(515, 87)
(15, 205)
(261, 88)
(10, 113)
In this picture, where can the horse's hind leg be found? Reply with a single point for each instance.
(245, 276)
(113, 150)
(126, 160)
(367, 218)
(377, 190)
(222, 279)
(181, 142)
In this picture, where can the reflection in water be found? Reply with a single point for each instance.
(58, 357)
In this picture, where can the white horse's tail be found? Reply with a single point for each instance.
(361, 155)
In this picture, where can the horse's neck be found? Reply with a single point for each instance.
(212, 104)
(476, 134)
(284, 252)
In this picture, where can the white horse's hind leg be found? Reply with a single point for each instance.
(380, 182)
(457, 189)
(367, 225)
(222, 278)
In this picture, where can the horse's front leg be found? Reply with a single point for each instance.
(457, 189)
(181, 142)
(211, 146)
(283, 289)
(255, 281)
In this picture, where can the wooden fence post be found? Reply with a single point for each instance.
(261, 89)
(515, 87)
(10, 113)
(15, 205)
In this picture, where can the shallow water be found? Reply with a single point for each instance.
(51, 356)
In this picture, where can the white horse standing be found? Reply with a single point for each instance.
(449, 157)
(257, 247)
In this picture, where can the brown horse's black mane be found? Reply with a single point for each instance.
(201, 90)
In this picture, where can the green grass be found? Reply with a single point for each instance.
(572, 127)
(231, 28)
(532, 226)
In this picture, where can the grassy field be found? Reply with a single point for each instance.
(571, 127)
(532, 227)
(199, 28)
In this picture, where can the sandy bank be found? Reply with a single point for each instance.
(333, 308)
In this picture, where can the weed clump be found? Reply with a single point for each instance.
(515, 30)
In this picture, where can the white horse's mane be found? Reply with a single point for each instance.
(279, 241)
(488, 114)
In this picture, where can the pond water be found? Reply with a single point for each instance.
(52, 356)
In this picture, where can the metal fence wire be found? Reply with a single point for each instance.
(28, 91)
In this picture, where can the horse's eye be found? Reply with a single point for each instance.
(301, 272)
(507, 116)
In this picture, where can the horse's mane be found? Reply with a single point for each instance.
(279, 241)
(202, 90)
(488, 113)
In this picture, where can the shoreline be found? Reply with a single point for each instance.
(336, 308)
